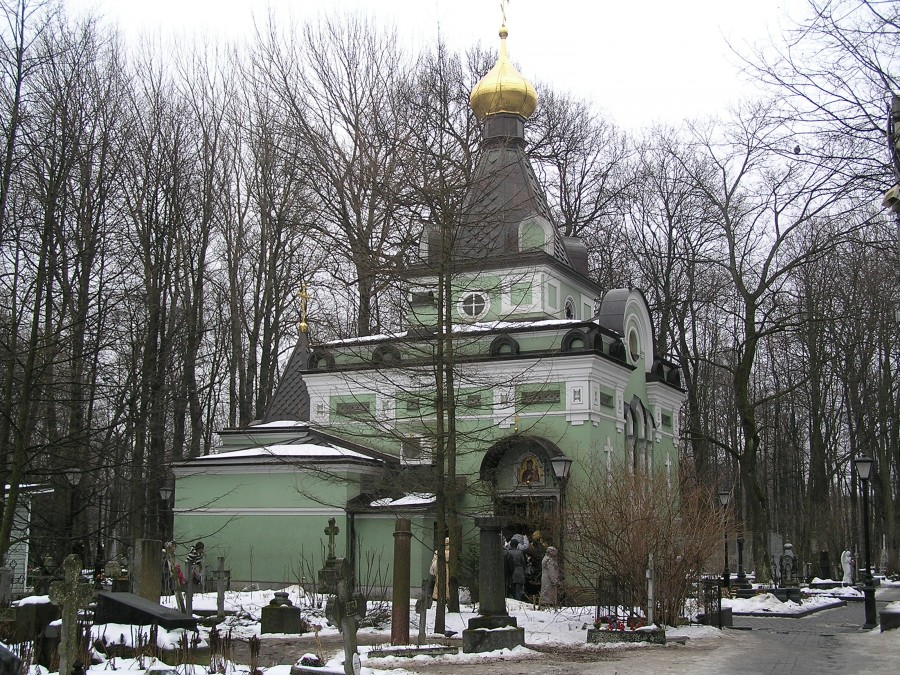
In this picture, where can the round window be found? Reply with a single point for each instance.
(474, 305)
(634, 345)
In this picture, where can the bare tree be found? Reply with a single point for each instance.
(339, 87)
(763, 203)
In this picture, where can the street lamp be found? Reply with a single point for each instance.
(165, 494)
(864, 471)
(724, 498)
(562, 466)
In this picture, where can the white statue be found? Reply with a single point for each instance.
(847, 566)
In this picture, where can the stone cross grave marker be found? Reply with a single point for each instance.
(345, 609)
(328, 575)
(70, 595)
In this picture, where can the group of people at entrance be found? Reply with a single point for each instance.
(531, 569)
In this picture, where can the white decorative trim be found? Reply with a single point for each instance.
(620, 410)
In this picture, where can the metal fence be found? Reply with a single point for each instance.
(619, 604)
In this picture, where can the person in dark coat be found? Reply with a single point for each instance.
(517, 558)
(511, 545)
(194, 560)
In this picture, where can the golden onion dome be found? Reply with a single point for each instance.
(503, 89)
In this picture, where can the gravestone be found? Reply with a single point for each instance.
(345, 609)
(328, 575)
(10, 664)
(147, 566)
(133, 610)
(30, 623)
(6, 578)
(482, 634)
(280, 616)
(400, 596)
(71, 595)
(789, 567)
(824, 565)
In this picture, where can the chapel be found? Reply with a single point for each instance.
(512, 359)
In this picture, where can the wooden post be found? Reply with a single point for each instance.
(220, 589)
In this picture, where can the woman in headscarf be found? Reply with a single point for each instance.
(433, 571)
(549, 577)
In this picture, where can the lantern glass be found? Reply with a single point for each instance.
(724, 497)
(864, 466)
(562, 465)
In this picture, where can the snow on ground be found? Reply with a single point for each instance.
(767, 602)
(566, 626)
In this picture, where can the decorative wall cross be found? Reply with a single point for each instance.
(70, 595)
(608, 449)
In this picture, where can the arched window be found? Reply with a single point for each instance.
(504, 345)
(569, 308)
(639, 437)
(320, 359)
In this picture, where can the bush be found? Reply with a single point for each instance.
(620, 517)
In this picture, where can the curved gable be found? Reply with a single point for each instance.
(625, 311)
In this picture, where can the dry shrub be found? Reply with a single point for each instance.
(617, 519)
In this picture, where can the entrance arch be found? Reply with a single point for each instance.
(524, 490)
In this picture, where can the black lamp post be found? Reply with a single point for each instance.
(562, 466)
(864, 471)
(724, 498)
(165, 495)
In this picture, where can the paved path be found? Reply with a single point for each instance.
(830, 641)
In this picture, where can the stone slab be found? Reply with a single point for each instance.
(889, 617)
(597, 636)
(281, 619)
(132, 609)
(476, 640)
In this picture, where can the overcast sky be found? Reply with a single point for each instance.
(639, 60)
